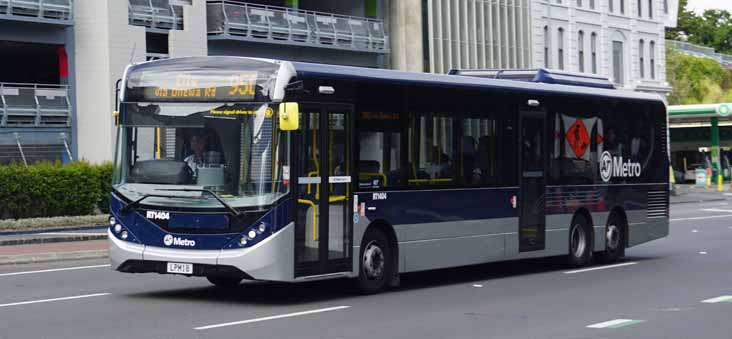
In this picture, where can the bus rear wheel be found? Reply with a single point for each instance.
(377, 262)
(224, 281)
(580, 242)
(614, 240)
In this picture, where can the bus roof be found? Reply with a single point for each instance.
(306, 70)
(311, 70)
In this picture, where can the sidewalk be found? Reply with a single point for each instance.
(53, 245)
(691, 194)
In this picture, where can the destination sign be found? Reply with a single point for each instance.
(198, 86)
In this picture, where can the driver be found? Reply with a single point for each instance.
(201, 156)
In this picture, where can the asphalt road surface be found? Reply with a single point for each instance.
(677, 287)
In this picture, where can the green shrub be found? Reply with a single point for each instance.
(53, 189)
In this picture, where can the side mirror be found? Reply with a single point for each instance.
(289, 116)
(115, 115)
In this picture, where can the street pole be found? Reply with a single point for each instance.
(715, 147)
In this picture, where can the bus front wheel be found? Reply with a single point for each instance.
(224, 281)
(580, 242)
(376, 261)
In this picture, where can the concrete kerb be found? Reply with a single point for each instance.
(52, 256)
(45, 240)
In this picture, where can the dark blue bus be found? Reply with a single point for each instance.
(240, 168)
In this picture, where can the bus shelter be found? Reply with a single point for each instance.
(700, 138)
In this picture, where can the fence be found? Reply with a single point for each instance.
(46, 9)
(700, 51)
(296, 27)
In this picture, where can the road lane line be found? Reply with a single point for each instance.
(288, 315)
(53, 270)
(601, 267)
(702, 252)
(74, 233)
(717, 210)
(722, 299)
(617, 323)
(702, 218)
(54, 299)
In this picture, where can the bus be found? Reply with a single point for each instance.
(235, 168)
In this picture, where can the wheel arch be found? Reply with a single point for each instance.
(620, 212)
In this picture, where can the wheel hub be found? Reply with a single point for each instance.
(373, 261)
(613, 237)
(579, 241)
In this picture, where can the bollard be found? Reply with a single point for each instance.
(719, 183)
(709, 181)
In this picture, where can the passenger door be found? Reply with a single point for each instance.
(532, 162)
(323, 227)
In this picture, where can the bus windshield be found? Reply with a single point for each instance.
(232, 150)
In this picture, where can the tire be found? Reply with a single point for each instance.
(224, 281)
(580, 242)
(614, 240)
(376, 262)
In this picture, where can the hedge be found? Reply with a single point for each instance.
(53, 189)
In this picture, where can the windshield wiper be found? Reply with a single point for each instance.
(228, 207)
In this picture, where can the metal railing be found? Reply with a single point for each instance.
(34, 105)
(294, 26)
(700, 51)
(43, 9)
(158, 14)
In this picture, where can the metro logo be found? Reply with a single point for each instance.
(611, 166)
(170, 240)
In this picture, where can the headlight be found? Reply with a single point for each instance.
(117, 228)
(243, 241)
(124, 235)
(262, 228)
(252, 234)
(112, 220)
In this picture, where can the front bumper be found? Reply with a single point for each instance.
(272, 259)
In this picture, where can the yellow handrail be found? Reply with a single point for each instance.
(374, 174)
(315, 216)
(416, 181)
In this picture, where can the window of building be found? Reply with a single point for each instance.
(592, 4)
(650, 9)
(617, 49)
(641, 54)
(431, 151)
(560, 48)
(581, 50)
(640, 8)
(665, 6)
(579, 3)
(547, 56)
(610, 6)
(652, 58)
(593, 51)
(622, 6)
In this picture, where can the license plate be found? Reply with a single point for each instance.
(174, 267)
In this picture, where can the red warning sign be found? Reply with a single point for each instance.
(578, 138)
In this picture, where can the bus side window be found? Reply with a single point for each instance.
(378, 162)
(431, 151)
(479, 152)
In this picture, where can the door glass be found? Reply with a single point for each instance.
(339, 173)
(309, 186)
(531, 233)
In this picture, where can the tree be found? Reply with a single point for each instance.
(712, 29)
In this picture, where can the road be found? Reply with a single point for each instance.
(670, 288)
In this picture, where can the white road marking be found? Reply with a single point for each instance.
(477, 285)
(601, 267)
(702, 218)
(728, 194)
(717, 210)
(702, 252)
(289, 315)
(724, 298)
(54, 299)
(694, 231)
(617, 323)
(53, 270)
